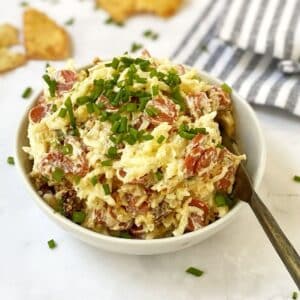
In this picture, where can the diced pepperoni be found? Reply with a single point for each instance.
(221, 97)
(193, 155)
(58, 160)
(37, 113)
(134, 209)
(198, 220)
(66, 80)
(166, 108)
(198, 103)
(225, 183)
(207, 157)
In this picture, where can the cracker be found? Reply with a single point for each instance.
(43, 38)
(9, 35)
(10, 60)
(120, 10)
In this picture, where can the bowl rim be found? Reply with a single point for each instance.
(73, 227)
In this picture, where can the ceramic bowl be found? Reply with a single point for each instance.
(249, 135)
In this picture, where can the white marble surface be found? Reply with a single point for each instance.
(239, 262)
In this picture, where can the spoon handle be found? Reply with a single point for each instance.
(282, 245)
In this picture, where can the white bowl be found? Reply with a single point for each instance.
(249, 135)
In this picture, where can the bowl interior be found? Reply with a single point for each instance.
(249, 137)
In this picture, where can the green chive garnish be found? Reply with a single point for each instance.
(58, 174)
(54, 108)
(194, 271)
(112, 152)
(160, 139)
(295, 296)
(27, 92)
(131, 107)
(24, 3)
(51, 84)
(83, 100)
(296, 178)
(186, 135)
(125, 235)
(67, 149)
(78, 217)
(51, 244)
(107, 163)
(112, 21)
(150, 34)
(68, 104)
(123, 125)
(90, 107)
(135, 47)
(159, 175)
(147, 137)
(70, 22)
(106, 188)
(10, 160)
(226, 88)
(152, 111)
(220, 200)
(62, 113)
(155, 90)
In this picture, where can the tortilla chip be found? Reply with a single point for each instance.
(9, 35)
(43, 38)
(10, 60)
(120, 10)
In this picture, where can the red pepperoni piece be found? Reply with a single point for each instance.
(67, 78)
(166, 108)
(221, 97)
(37, 113)
(197, 103)
(225, 183)
(195, 220)
(58, 160)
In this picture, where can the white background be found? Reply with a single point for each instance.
(239, 262)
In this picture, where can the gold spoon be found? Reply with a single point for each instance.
(243, 190)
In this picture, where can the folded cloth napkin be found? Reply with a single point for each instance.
(269, 27)
(256, 77)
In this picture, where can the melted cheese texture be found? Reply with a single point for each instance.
(158, 186)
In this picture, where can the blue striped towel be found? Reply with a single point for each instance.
(258, 38)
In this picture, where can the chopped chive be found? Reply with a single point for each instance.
(67, 149)
(131, 107)
(150, 34)
(78, 217)
(295, 295)
(159, 176)
(125, 235)
(106, 188)
(27, 92)
(296, 178)
(10, 160)
(107, 163)
(177, 98)
(110, 20)
(51, 244)
(68, 104)
(220, 200)
(220, 146)
(226, 88)
(155, 90)
(94, 180)
(112, 152)
(160, 139)
(186, 135)
(76, 179)
(62, 113)
(58, 174)
(135, 47)
(147, 137)
(89, 107)
(83, 100)
(194, 271)
(70, 22)
(24, 3)
(54, 108)
(152, 111)
(115, 127)
(123, 125)
(51, 84)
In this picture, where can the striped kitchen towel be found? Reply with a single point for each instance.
(269, 27)
(255, 76)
